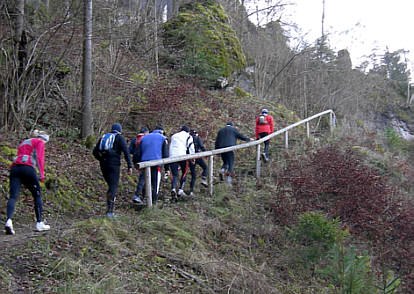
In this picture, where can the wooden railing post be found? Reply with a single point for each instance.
(331, 122)
(258, 162)
(210, 174)
(286, 139)
(148, 185)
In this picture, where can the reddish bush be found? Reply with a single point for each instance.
(336, 182)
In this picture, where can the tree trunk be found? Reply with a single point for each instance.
(87, 72)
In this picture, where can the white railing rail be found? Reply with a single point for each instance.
(210, 154)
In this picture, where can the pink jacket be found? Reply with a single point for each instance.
(264, 128)
(32, 152)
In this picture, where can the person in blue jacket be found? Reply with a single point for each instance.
(110, 163)
(227, 137)
(154, 146)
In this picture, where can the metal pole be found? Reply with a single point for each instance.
(148, 185)
(210, 174)
(307, 129)
(258, 162)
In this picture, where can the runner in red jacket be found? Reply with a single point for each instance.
(264, 127)
(30, 155)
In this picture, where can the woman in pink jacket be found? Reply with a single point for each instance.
(30, 155)
(264, 127)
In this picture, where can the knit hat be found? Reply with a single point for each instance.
(143, 130)
(265, 111)
(42, 135)
(116, 128)
(229, 123)
(185, 129)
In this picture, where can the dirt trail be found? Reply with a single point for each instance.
(24, 232)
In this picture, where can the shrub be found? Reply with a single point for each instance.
(337, 182)
(317, 233)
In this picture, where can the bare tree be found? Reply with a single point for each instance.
(87, 72)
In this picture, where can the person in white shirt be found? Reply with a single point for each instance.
(181, 144)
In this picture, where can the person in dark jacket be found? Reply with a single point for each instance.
(110, 163)
(30, 156)
(227, 137)
(198, 147)
(134, 149)
(154, 146)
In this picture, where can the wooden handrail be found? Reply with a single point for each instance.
(148, 164)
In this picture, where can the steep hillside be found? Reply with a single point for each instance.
(248, 238)
(333, 214)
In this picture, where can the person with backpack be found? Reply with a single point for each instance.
(30, 156)
(264, 127)
(226, 137)
(134, 150)
(152, 147)
(181, 144)
(108, 152)
(198, 147)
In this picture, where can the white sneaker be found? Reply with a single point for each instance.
(181, 193)
(40, 226)
(204, 182)
(137, 199)
(192, 194)
(9, 227)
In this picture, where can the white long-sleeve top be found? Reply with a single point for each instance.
(180, 142)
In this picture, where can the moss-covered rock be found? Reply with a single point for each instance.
(208, 45)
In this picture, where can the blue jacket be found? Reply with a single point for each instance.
(153, 146)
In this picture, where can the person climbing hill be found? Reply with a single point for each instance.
(153, 146)
(181, 144)
(108, 152)
(30, 156)
(226, 137)
(264, 127)
(198, 147)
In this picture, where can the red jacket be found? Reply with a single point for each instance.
(32, 152)
(264, 128)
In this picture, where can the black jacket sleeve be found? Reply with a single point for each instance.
(241, 136)
(96, 152)
(165, 150)
(124, 149)
(200, 143)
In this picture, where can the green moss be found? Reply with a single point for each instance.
(211, 47)
(90, 141)
(240, 93)
(5, 161)
(11, 152)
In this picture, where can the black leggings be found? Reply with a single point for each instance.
(228, 161)
(174, 170)
(193, 172)
(266, 143)
(26, 175)
(111, 176)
